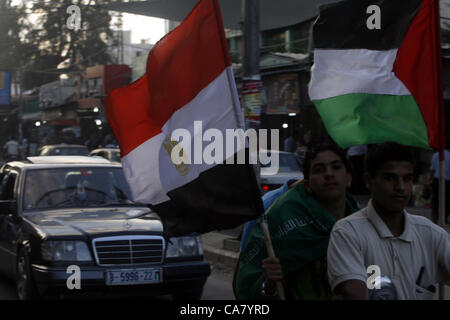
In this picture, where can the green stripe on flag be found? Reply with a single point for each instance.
(361, 118)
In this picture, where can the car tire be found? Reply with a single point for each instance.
(189, 296)
(24, 282)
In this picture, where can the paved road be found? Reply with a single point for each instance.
(218, 287)
(7, 289)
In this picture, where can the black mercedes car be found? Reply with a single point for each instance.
(65, 217)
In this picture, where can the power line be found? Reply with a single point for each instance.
(80, 63)
(95, 26)
(63, 70)
(60, 70)
(136, 46)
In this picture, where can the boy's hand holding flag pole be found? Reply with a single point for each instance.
(271, 252)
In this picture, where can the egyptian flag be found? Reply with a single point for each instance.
(377, 72)
(188, 79)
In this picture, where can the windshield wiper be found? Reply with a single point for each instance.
(134, 214)
(119, 203)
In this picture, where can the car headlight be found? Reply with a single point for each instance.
(184, 247)
(65, 251)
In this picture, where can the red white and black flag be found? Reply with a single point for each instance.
(188, 79)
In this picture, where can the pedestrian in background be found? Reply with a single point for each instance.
(44, 140)
(25, 147)
(11, 150)
(356, 155)
(290, 144)
(433, 181)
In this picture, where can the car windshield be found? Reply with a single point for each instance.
(287, 163)
(115, 156)
(62, 151)
(75, 187)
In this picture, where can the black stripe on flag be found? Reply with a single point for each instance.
(222, 197)
(343, 25)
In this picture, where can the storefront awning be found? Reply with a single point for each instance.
(274, 13)
(32, 116)
(6, 110)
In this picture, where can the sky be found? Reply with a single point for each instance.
(153, 29)
(143, 27)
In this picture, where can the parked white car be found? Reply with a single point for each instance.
(112, 154)
(289, 168)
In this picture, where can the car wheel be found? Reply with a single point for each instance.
(24, 282)
(191, 295)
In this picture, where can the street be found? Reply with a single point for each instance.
(130, 167)
(218, 286)
(7, 290)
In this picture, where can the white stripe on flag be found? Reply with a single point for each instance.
(141, 169)
(213, 106)
(339, 72)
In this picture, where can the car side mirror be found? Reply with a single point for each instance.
(8, 207)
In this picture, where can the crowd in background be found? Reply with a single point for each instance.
(16, 149)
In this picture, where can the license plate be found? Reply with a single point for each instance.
(133, 276)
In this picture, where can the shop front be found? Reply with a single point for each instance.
(93, 86)
(58, 103)
(287, 106)
(31, 119)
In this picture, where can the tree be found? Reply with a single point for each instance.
(58, 49)
(12, 24)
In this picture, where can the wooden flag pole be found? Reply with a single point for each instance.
(263, 223)
(442, 138)
(441, 188)
(271, 253)
(238, 111)
(441, 206)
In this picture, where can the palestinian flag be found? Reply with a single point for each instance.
(377, 72)
(188, 78)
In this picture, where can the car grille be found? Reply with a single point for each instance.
(128, 250)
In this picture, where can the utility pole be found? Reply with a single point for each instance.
(120, 38)
(19, 111)
(252, 78)
(251, 96)
(251, 39)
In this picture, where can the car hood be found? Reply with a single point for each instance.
(92, 222)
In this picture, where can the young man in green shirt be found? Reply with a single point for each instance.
(300, 222)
